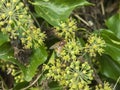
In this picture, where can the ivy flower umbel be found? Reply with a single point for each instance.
(13, 13)
(94, 45)
(70, 50)
(32, 35)
(55, 70)
(16, 21)
(78, 75)
(67, 29)
(74, 75)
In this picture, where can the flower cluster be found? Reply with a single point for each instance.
(95, 45)
(32, 35)
(54, 69)
(78, 75)
(13, 16)
(66, 67)
(16, 21)
(106, 86)
(72, 47)
(67, 29)
(75, 75)
(70, 50)
(14, 71)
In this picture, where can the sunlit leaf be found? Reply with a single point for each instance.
(112, 45)
(113, 24)
(38, 57)
(55, 11)
(55, 86)
(7, 54)
(3, 38)
(110, 62)
(20, 86)
(109, 67)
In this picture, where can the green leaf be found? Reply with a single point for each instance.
(35, 88)
(3, 38)
(110, 62)
(113, 24)
(109, 67)
(112, 45)
(38, 57)
(21, 85)
(55, 11)
(55, 86)
(7, 54)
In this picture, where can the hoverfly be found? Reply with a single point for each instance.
(58, 46)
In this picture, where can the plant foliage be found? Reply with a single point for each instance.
(56, 11)
(78, 60)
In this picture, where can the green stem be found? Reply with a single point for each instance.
(26, 88)
(116, 83)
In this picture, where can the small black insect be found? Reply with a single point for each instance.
(22, 55)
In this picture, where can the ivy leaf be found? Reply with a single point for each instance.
(3, 38)
(7, 54)
(38, 57)
(112, 45)
(55, 86)
(110, 61)
(6, 51)
(20, 85)
(109, 67)
(55, 11)
(113, 24)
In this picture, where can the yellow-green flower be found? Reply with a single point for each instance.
(73, 75)
(70, 50)
(16, 21)
(67, 29)
(94, 45)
